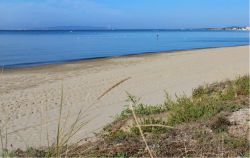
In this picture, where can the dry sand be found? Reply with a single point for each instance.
(30, 97)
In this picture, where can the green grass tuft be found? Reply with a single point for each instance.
(185, 126)
(207, 101)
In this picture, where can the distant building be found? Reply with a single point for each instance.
(237, 28)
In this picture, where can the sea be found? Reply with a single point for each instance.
(35, 48)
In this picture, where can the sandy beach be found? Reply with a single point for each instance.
(30, 97)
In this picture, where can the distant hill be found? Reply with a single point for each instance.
(80, 28)
(72, 28)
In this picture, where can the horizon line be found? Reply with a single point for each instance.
(117, 29)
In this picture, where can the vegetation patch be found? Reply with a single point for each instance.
(195, 126)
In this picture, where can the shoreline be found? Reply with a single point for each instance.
(30, 97)
(41, 65)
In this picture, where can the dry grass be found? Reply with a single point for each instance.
(203, 134)
(196, 126)
(59, 126)
(4, 131)
(141, 132)
(61, 146)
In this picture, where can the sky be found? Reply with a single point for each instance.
(137, 14)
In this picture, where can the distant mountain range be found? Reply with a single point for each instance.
(75, 28)
(72, 28)
(79, 28)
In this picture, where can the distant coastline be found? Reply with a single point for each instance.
(247, 28)
(93, 28)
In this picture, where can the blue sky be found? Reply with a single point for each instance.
(22, 14)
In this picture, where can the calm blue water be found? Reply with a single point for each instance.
(29, 48)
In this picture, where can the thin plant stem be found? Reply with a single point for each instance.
(6, 138)
(59, 124)
(141, 132)
(46, 120)
(1, 136)
(2, 146)
(156, 125)
(2, 70)
(222, 146)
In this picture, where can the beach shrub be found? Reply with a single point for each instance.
(199, 126)
(224, 90)
(186, 109)
(242, 85)
(206, 101)
(199, 122)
